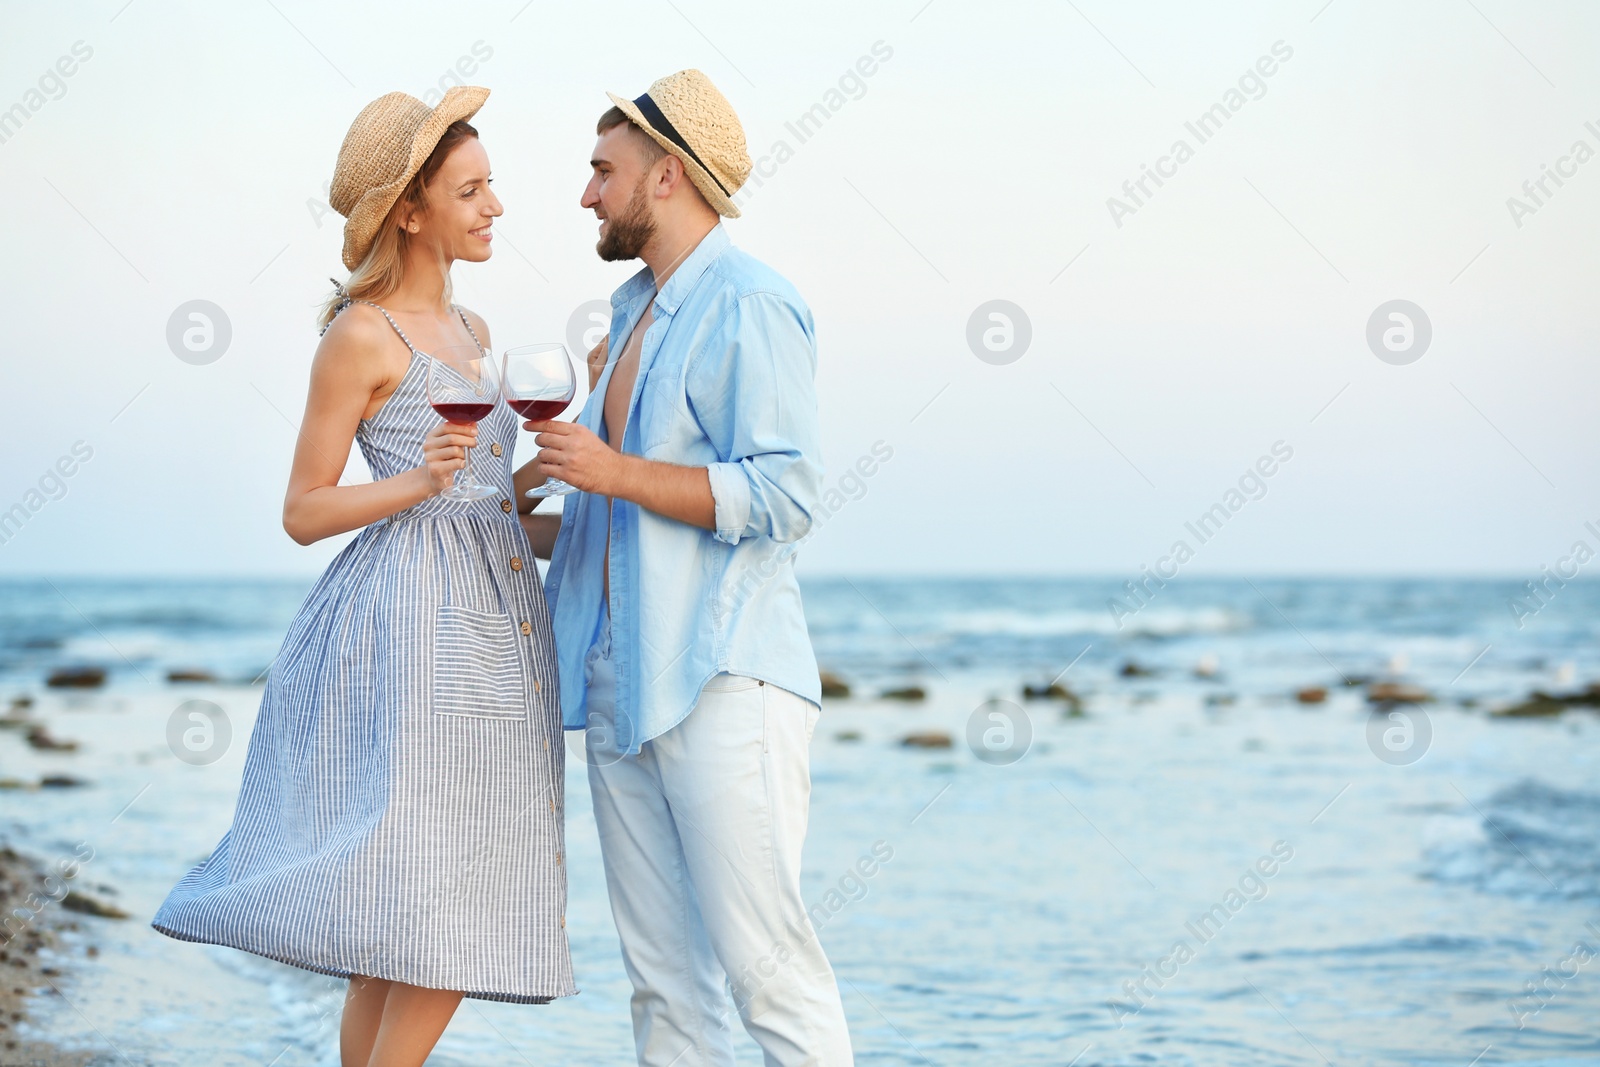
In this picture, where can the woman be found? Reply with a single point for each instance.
(400, 819)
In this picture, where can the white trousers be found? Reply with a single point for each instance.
(701, 835)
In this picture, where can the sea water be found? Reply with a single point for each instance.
(1093, 890)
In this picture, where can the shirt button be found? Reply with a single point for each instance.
(538, 686)
(505, 506)
(563, 922)
(516, 563)
(527, 628)
(495, 448)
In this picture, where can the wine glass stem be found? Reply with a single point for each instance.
(465, 477)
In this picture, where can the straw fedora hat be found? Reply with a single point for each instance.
(386, 146)
(685, 114)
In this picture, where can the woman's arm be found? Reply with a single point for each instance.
(541, 531)
(346, 373)
(528, 476)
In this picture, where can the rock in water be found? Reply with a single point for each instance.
(190, 674)
(41, 739)
(1535, 707)
(907, 693)
(834, 686)
(77, 678)
(1590, 697)
(1397, 693)
(1541, 704)
(1311, 694)
(926, 739)
(87, 905)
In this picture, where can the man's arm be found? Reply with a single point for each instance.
(754, 394)
(682, 493)
(577, 456)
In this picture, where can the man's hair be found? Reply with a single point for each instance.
(649, 149)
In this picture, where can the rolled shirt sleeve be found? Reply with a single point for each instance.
(753, 391)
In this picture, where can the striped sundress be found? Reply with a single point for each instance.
(401, 814)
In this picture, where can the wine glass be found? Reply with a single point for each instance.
(463, 387)
(539, 383)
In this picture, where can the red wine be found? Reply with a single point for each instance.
(463, 413)
(538, 410)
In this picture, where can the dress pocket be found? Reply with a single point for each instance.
(478, 666)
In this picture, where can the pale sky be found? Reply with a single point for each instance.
(183, 157)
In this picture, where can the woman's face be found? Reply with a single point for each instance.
(461, 205)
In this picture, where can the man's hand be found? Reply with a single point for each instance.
(577, 456)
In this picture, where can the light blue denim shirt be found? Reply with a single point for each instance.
(726, 382)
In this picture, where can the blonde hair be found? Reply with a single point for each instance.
(383, 267)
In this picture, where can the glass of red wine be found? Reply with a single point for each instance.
(463, 387)
(539, 383)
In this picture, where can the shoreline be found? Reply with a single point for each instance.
(25, 973)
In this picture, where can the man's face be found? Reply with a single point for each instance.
(618, 194)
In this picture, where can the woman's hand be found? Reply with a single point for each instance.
(444, 451)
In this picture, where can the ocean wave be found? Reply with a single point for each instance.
(1153, 622)
(1529, 840)
(1408, 946)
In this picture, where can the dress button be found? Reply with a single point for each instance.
(495, 448)
(516, 563)
(538, 686)
(527, 628)
(563, 922)
(505, 506)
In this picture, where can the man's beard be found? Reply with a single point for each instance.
(629, 232)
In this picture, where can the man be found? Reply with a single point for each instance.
(683, 649)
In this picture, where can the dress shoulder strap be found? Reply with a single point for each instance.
(348, 300)
(468, 325)
(393, 323)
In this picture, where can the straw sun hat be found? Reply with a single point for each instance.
(685, 114)
(386, 146)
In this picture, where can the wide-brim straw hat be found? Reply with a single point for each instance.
(685, 114)
(387, 144)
